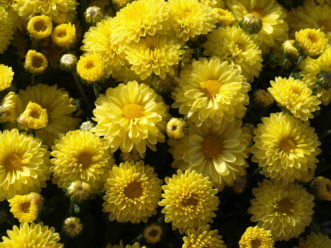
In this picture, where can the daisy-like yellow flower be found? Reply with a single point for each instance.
(139, 19)
(9, 107)
(270, 13)
(154, 54)
(35, 62)
(80, 155)
(72, 226)
(153, 233)
(131, 116)
(91, 68)
(224, 17)
(211, 90)
(132, 192)
(64, 35)
(312, 41)
(314, 240)
(216, 151)
(322, 188)
(285, 147)
(284, 209)
(24, 164)
(236, 47)
(79, 191)
(31, 235)
(189, 200)
(255, 237)
(40, 27)
(6, 28)
(26, 207)
(203, 237)
(295, 96)
(176, 128)
(33, 117)
(6, 76)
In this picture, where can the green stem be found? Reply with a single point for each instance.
(81, 90)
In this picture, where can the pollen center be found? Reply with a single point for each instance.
(85, 159)
(40, 26)
(312, 37)
(62, 33)
(25, 206)
(211, 87)
(285, 206)
(191, 201)
(132, 110)
(211, 146)
(89, 65)
(256, 243)
(13, 162)
(133, 190)
(296, 90)
(287, 144)
(37, 61)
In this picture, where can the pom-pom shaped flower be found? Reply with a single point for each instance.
(33, 117)
(35, 62)
(295, 96)
(131, 116)
(9, 107)
(312, 41)
(211, 90)
(80, 155)
(132, 192)
(216, 151)
(284, 209)
(176, 128)
(91, 68)
(23, 164)
(6, 28)
(72, 226)
(6, 77)
(189, 200)
(64, 35)
(40, 27)
(285, 147)
(256, 237)
(31, 235)
(314, 240)
(235, 46)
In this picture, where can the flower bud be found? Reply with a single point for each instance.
(93, 14)
(68, 62)
(153, 233)
(87, 125)
(262, 98)
(72, 226)
(289, 49)
(79, 191)
(176, 128)
(251, 23)
(322, 188)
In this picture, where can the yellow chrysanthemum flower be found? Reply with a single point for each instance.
(322, 188)
(213, 3)
(91, 68)
(203, 237)
(131, 116)
(6, 28)
(284, 209)
(6, 76)
(289, 49)
(33, 117)
(217, 151)
(190, 18)
(274, 28)
(153, 233)
(72, 226)
(9, 107)
(211, 90)
(24, 164)
(80, 155)
(132, 192)
(256, 237)
(236, 47)
(312, 41)
(189, 200)
(285, 147)
(154, 54)
(35, 62)
(139, 19)
(314, 240)
(176, 128)
(31, 235)
(295, 96)
(40, 27)
(224, 17)
(26, 207)
(64, 35)
(79, 191)
(58, 10)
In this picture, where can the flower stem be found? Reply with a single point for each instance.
(81, 90)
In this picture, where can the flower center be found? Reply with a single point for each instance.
(256, 243)
(85, 159)
(211, 87)
(287, 144)
(33, 117)
(285, 206)
(62, 33)
(153, 233)
(191, 201)
(132, 110)
(133, 190)
(25, 207)
(89, 65)
(13, 162)
(312, 37)
(211, 146)
(37, 61)
(40, 26)
(296, 90)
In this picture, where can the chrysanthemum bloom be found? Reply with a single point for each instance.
(97, 41)
(295, 96)
(64, 35)
(285, 147)
(236, 47)
(33, 117)
(322, 188)
(26, 207)
(79, 191)
(256, 237)
(213, 3)
(6, 76)
(24, 164)
(189, 200)
(31, 235)
(176, 128)
(35, 62)
(211, 90)
(131, 116)
(91, 68)
(132, 192)
(153, 233)
(217, 151)
(284, 209)
(139, 19)
(72, 226)
(58, 10)
(154, 54)
(270, 13)
(288, 48)
(314, 240)
(224, 17)
(80, 155)
(203, 237)
(9, 107)
(312, 41)
(40, 27)
(93, 14)
(6, 28)
(190, 18)
(262, 98)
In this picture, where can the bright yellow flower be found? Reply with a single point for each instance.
(255, 237)
(6, 28)
(33, 117)
(35, 62)
(79, 191)
(289, 49)
(91, 68)
(213, 3)
(176, 128)
(10, 106)
(314, 240)
(40, 27)
(224, 17)
(312, 41)
(6, 76)
(64, 35)
(322, 188)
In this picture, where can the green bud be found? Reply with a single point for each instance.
(251, 23)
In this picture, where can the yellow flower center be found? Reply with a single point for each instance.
(191, 201)
(287, 144)
(33, 117)
(25, 207)
(89, 65)
(133, 190)
(256, 243)
(285, 206)
(85, 159)
(13, 162)
(132, 110)
(296, 90)
(40, 26)
(211, 146)
(37, 61)
(312, 37)
(62, 33)
(211, 87)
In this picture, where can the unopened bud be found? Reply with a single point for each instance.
(68, 62)
(72, 226)
(251, 23)
(93, 14)
(289, 49)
